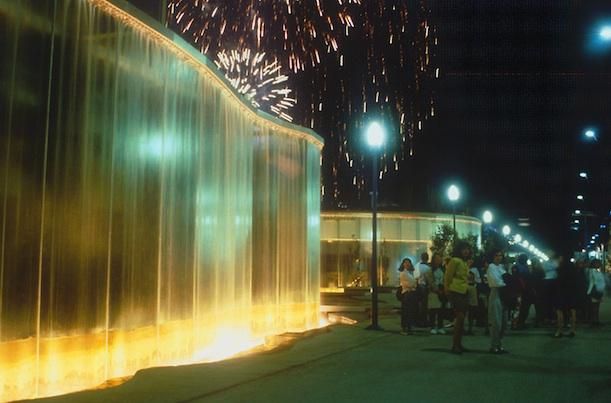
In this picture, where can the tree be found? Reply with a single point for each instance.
(494, 241)
(442, 240)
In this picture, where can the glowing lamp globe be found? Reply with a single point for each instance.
(375, 135)
(487, 217)
(605, 33)
(506, 230)
(453, 193)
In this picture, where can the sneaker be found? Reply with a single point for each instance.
(434, 331)
(441, 331)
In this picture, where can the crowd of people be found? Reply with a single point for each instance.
(495, 293)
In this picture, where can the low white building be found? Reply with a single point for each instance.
(346, 243)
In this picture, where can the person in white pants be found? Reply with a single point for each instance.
(497, 313)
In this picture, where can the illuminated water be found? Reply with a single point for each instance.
(147, 216)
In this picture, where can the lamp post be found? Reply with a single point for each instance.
(375, 139)
(487, 218)
(453, 195)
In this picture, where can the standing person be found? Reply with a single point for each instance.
(436, 297)
(497, 311)
(422, 274)
(596, 290)
(483, 293)
(582, 303)
(550, 279)
(455, 283)
(567, 294)
(537, 276)
(527, 290)
(472, 297)
(409, 299)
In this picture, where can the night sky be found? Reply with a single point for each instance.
(518, 88)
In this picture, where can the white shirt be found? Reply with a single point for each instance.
(551, 270)
(476, 276)
(495, 275)
(422, 272)
(408, 281)
(596, 280)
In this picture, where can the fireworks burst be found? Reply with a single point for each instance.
(385, 71)
(260, 81)
(300, 31)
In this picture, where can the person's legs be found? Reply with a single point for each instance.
(412, 310)
(503, 326)
(471, 318)
(495, 317)
(559, 322)
(595, 310)
(459, 321)
(524, 310)
(432, 313)
(404, 312)
(439, 313)
(573, 313)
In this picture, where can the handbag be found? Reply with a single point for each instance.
(595, 294)
(399, 293)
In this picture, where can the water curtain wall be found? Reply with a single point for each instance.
(148, 216)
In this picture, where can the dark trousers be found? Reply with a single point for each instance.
(423, 302)
(436, 317)
(525, 303)
(409, 310)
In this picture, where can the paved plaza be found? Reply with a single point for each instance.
(346, 363)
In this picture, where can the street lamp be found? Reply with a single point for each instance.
(375, 139)
(605, 33)
(486, 219)
(453, 195)
(590, 134)
(506, 230)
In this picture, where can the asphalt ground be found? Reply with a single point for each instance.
(346, 363)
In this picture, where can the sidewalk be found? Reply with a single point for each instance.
(345, 363)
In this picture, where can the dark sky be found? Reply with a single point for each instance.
(517, 90)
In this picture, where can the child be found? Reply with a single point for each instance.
(473, 303)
